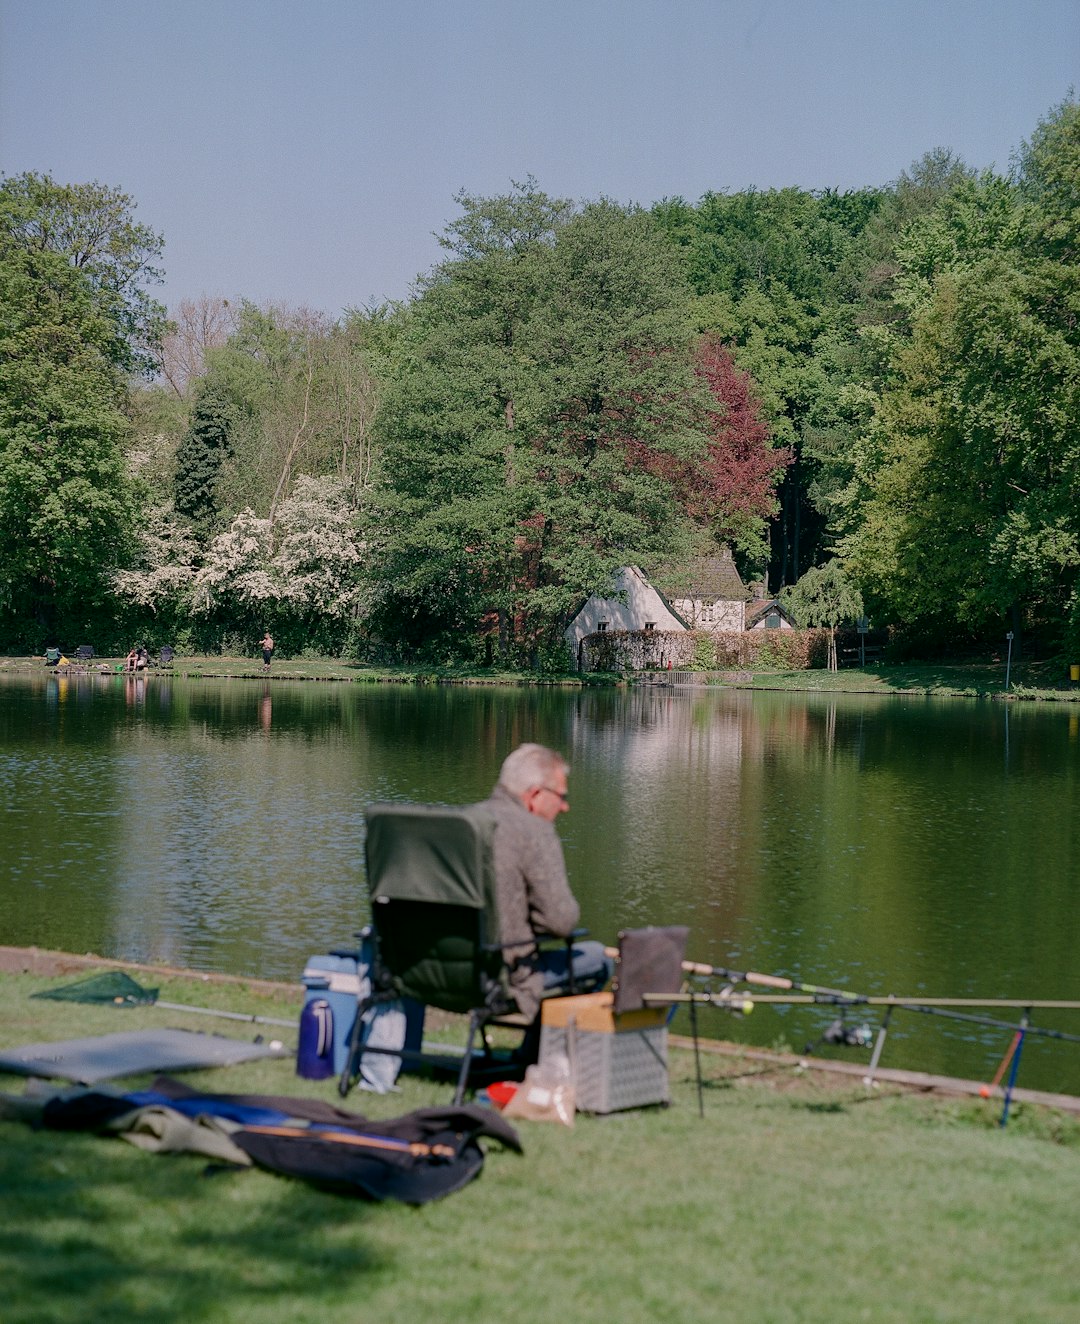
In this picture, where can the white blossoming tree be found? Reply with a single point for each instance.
(298, 568)
(164, 565)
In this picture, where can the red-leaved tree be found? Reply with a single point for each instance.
(732, 488)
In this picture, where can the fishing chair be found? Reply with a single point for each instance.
(435, 928)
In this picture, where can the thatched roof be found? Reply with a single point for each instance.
(705, 579)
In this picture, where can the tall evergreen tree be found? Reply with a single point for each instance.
(206, 446)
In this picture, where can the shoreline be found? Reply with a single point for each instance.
(45, 962)
(1034, 683)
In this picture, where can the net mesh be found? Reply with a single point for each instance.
(114, 986)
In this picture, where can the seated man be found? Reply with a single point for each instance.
(530, 878)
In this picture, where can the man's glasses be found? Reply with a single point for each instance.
(559, 795)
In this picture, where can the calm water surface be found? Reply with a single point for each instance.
(907, 845)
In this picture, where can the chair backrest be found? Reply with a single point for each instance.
(52, 656)
(167, 655)
(84, 652)
(650, 961)
(432, 886)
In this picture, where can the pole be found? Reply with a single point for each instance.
(1008, 661)
(868, 1079)
(226, 1015)
(1014, 1070)
(697, 1058)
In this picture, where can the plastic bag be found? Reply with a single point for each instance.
(545, 1095)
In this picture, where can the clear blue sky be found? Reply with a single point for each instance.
(306, 150)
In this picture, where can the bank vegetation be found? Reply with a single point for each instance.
(870, 396)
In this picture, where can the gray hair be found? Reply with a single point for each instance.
(529, 766)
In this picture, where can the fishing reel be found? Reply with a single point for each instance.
(727, 998)
(850, 1036)
(844, 1035)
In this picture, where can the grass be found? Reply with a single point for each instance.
(1040, 681)
(322, 668)
(1034, 680)
(793, 1200)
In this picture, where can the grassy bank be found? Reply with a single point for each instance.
(794, 1199)
(1038, 681)
(319, 668)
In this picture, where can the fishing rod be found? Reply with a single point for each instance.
(700, 970)
(363, 1139)
(818, 993)
(929, 1004)
(804, 993)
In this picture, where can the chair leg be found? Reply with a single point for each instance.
(345, 1083)
(475, 1021)
(697, 1056)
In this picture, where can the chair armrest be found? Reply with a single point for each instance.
(534, 939)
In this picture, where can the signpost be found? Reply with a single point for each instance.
(862, 625)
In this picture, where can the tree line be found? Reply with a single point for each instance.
(870, 395)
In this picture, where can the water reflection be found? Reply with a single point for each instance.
(875, 843)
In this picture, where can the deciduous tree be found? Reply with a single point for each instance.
(824, 597)
(539, 356)
(74, 320)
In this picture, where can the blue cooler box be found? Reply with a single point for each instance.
(336, 977)
(342, 978)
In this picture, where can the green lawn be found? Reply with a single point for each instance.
(1034, 680)
(1037, 680)
(792, 1200)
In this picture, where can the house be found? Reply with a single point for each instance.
(710, 594)
(644, 608)
(768, 614)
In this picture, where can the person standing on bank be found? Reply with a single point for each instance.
(531, 885)
(267, 646)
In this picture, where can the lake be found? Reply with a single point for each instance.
(910, 845)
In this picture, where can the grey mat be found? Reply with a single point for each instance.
(128, 1053)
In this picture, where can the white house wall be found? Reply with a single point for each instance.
(643, 606)
(721, 615)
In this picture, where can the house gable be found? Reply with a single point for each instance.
(768, 614)
(645, 608)
(711, 595)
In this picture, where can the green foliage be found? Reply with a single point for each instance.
(798, 283)
(200, 456)
(531, 420)
(704, 652)
(550, 344)
(91, 229)
(969, 475)
(721, 650)
(67, 335)
(824, 596)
